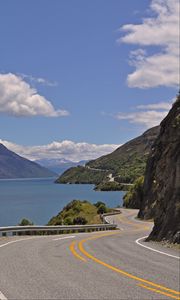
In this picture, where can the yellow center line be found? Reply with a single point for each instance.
(127, 221)
(88, 255)
(72, 245)
(72, 249)
(157, 291)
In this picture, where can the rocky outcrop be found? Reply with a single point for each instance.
(161, 194)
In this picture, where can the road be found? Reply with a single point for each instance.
(103, 265)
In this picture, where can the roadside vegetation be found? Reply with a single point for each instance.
(111, 186)
(25, 222)
(133, 198)
(82, 175)
(80, 213)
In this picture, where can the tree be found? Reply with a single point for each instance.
(25, 222)
(99, 203)
(102, 209)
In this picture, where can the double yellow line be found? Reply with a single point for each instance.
(137, 225)
(160, 289)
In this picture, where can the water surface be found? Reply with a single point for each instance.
(40, 199)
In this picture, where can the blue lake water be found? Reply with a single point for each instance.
(40, 199)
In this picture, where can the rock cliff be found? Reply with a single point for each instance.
(161, 194)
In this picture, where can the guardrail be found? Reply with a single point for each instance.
(40, 230)
(103, 217)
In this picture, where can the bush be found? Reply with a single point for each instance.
(79, 221)
(55, 221)
(99, 203)
(68, 221)
(102, 209)
(25, 222)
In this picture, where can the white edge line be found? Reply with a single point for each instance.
(2, 297)
(65, 237)
(16, 241)
(152, 249)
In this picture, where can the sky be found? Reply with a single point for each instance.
(78, 78)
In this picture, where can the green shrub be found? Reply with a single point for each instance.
(79, 221)
(99, 203)
(68, 221)
(56, 221)
(102, 209)
(25, 222)
(133, 197)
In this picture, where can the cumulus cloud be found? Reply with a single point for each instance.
(61, 149)
(147, 115)
(146, 118)
(18, 98)
(160, 68)
(160, 105)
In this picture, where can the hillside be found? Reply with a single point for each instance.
(161, 193)
(80, 212)
(82, 175)
(59, 166)
(125, 164)
(15, 166)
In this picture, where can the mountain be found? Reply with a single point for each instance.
(15, 166)
(125, 164)
(82, 175)
(161, 192)
(59, 165)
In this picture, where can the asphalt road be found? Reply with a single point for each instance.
(103, 265)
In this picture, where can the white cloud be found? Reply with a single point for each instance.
(18, 98)
(39, 80)
(149, 115)
(146, 118)
(62, 149)
(161, 105)
(162, 30)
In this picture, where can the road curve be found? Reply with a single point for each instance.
(104, 265)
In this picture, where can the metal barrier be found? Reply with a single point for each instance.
(103, 216)
(39, 230)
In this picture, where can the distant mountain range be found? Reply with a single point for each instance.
(15, 166)
(126, 163)
(59, 165)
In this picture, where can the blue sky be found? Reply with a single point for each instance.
(67, 72)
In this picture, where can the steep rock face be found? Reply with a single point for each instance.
(161, 199)
(15, 166)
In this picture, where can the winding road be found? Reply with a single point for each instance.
(102, 265)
